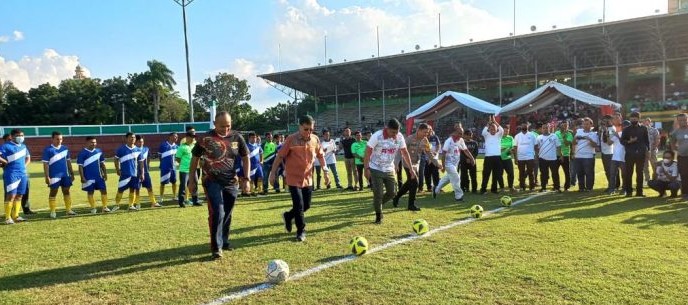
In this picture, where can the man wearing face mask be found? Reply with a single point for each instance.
(679, 143)
(14, 156)
(636, 141)
(666, 176)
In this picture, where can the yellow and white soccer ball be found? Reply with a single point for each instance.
(477, 211)
(505, 201)
(358, 245)
(278, 271)
(420, 226)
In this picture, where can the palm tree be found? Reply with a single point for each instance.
(159, 76)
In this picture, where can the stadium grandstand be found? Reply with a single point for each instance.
(640, 63)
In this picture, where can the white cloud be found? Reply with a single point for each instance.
(4, 38)
(247, 69)
(31, 71)
(18, 35)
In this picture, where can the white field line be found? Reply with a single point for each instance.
(265, 286)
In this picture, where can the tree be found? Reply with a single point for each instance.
(173, 108)
(231, 95)
(81, 102)
(160, 77)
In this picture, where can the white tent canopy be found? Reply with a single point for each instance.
(548, 94)
(446, 103)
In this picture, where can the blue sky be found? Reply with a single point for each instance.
(42, 40)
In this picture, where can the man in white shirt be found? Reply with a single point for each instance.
(666, 176)
(329, 149)
(585, 141)
(548, 149)
(452, 149)
(379, 164)
(618, 164)
(524, 142)
(492, 164)
(606, 132)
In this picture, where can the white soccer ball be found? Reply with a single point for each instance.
(278, 271)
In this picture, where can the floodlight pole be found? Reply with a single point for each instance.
(183, 4)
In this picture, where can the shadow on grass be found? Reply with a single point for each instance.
(113, 267)
(671, 214)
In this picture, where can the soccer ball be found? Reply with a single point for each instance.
(358, 245)
(278, 271)
(505, 200)
(420, 226)
(477, 211)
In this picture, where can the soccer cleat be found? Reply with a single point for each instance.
(301, 237)
(9, 221)
(157, 205)
(53, 215)
(138, 207)
(29, 212)
(94, 211)
(71, 213)
(19, 219)
(133, 208)
(106, 210)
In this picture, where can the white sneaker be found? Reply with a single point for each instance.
(156, 205)
(9, 221)
(106, 210)
(19, 219)
(114, 208)
(138, 207)
(94, 211)
(71, 213)
(133, 208)
(53, 215)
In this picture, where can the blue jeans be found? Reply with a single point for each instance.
(333, 169)
(221, 201)
(616, 169)
(585, 170)
(181, 194)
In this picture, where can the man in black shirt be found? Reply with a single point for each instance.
(468, 169)
(636, 142)
(219, 149)
(349, 160)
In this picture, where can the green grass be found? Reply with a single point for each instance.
(565, 248)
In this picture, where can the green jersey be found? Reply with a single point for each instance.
(565, 147)
(269, 149)
(358, 149)
(184, 155)
(507, 145)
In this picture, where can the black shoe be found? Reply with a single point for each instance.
(182, 205)
(301, 237)
(287, 221)
(340, 187)
(328, 186)
(413, 207)
(29, 212)
(434, 193)
(216, 255)
(378, 218)
(639, 195)
(227, 247)
(277, 191)
(459, 200)
(350, 188)
(395, 202)
(543, 190)
(197, 204)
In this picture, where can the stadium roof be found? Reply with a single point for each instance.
(631, 42)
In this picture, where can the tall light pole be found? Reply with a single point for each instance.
(184, 3)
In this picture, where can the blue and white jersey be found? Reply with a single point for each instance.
(56, 158)
(128, 158)
(167, 152)
(143, 156)
(16, 155)
(254, 153)
(90, 161)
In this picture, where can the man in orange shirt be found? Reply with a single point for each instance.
(298, 152)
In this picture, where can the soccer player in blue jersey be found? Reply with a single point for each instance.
(58, 171)
(14, 156)
(255, 154)
(127, 162)
(168, 149)
(146, 181)
(91, 162)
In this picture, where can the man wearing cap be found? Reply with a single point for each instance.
(637, 143)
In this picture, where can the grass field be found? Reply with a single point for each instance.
(567, 248)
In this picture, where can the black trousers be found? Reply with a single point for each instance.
(567, 171)
(508, 167)
(432, 176)
(526, 168)
(548, 167)
(421, 173)
(359, 170)
(469, 174)
(637, 162)
(300, 203)
(492, 166)
(683, 171)
(410, 187)
(398, 168)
